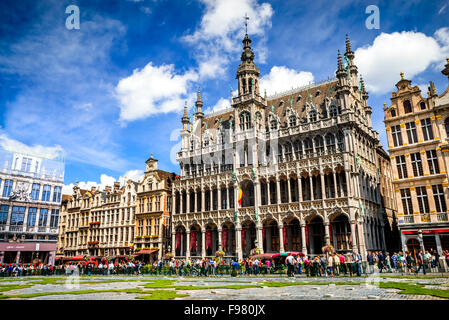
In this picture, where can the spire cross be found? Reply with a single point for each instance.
(246, 22)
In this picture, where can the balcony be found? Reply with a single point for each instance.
(424, 218)
(16, 228)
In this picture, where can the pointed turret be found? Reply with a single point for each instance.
(185, 118)
(340, 62)
(364, 92)
(248, 73)
(199, 105)
(349, 53)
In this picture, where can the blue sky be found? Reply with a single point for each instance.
(112, 92)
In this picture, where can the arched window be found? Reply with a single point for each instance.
(341, 141)
(250, 85)
(244, 85)
(288, 147)
(319, 144)
(312, 116)
(292, 121)
(407, 106)
(330, 143)
(308, 147)
(446, 125)
(298, 146)
(258, 119)
(273, 124)
(245, 121)
(393, 112)
(192, 145)
(333, 111)
(422, 105)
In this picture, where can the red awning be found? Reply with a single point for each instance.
(77, 258)
(263, 256)
(147, 251)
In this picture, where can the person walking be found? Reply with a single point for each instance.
(289, 262)
(421, 265)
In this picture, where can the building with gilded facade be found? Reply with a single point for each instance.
(291, 172)
(418, 135)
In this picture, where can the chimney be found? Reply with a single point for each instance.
(116, 185)
(108, 188)
(93, 189)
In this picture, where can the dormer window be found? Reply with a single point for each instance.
(393, 112)
(273, 125)
(313, 116)
(422, 105)
(407, 106)
(333, 111)
(292, 121)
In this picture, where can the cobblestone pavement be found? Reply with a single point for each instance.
(367, 290)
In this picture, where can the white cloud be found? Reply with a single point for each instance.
(221, 30)
(105, 180)
(145, 10)
(9, 144)
(442, 9)
(152, 90)
(220, 105)
(282, 78)
(409, 52)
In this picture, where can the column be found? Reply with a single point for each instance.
(311, 187)
(211, 199)
(18, 257)
(227, 199)
(196, 201)
(181, 201)
(353, 234)
(438, 243)
(269, 192)
(188, 244)
(259, 238)
(326, 233)
(220, 245)
(334, 176)
(281, 238)
(361, 240)
(299, 188)
(289, 191)
(218, 198)
(203, 200)
(238, 230)
(188, 202)
(203, 242)
(323, 192)
(173, 243)
(303, 237)
(349, 188)
(278, 190)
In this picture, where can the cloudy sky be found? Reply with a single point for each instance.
(109, 94)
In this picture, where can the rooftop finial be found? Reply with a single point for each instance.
(402, 75)
(348, 44)
(246, 22)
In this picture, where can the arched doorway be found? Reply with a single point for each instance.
(292, 241)
(316, 235)
(228, 240)
(340, 233)
(195, 240)
(211, 239)
(180, 241)
(248, 237)
(270, 235)
(247, 187)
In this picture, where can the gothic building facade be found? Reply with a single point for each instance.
(291, 172)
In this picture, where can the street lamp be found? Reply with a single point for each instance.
(421, 245)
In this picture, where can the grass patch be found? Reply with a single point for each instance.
(162, 295)
(418, 289)
(4, 288)
(40, 294)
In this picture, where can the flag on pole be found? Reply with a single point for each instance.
(240, 196)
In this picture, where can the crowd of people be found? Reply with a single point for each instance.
(331, 264)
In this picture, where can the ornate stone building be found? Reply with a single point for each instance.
(30, 200)
(99, 223)
(418, 130)
(304, 161)
(153, 234)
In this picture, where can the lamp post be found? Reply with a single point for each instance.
(421, 245)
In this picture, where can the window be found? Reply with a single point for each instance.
(245, 121)
(54, 218)
(423, 202)
(427, 129)
(416, 164)
(46, 193)
(407, 106)
(308, 147)
(57, 194)
(7, 188)
(292, 121)
(402, 167)
(397, 136)
(438, 195)
(406, 201)
(340, 141)
(26, 164)
(333, 111)
(32, 212)
(393, 112)
(43, 217)
(273, 125)
(313, 116)
(4, 214)
(410, 127)
(319, 145)
(17, 216)
(422, 105)
(330, 143)
(432, 161)
(35, 191)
